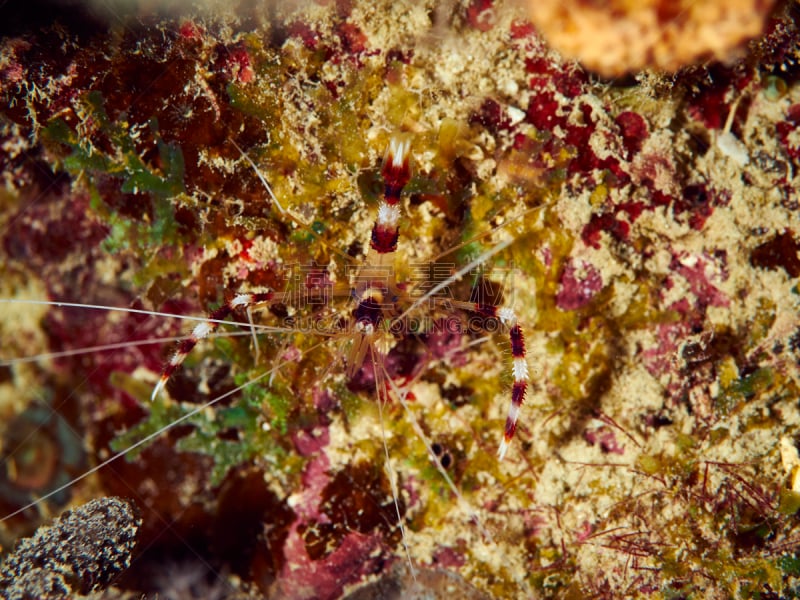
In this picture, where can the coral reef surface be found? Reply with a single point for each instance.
(646, 234)
(81, 552)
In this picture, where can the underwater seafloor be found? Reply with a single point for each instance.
(645, 230)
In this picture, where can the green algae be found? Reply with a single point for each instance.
(210, 432)
(743, 389)
(122, 160)
(254, 441)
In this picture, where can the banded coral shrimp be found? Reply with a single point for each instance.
(381, 375)
(75, 327)
(193, 222)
